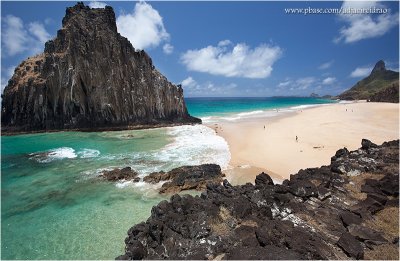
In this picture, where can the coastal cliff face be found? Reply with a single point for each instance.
(347, 210)
(90, 77)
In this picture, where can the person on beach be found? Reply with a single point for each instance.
(297, 138)
(264, 127)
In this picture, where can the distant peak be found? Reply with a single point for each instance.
(379, 66)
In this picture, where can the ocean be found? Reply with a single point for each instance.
(232, 109)
(55, 205)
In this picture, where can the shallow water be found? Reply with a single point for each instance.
(54, 205)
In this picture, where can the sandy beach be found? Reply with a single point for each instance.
(321, 131)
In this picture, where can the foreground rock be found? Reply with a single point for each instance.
(187, 178)
(90, 78)
(120, 174)
(347, 210)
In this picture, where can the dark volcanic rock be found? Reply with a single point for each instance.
(187, 178)
(136, 251)
(367, 144)
(349, 218)
(263, 179)
(90, 77)
(302, 188)
(351, 246)
(119, 174)
(366, 234)
(317, 214)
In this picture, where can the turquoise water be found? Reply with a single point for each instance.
(57, 208)
(205, 107)
(55, 205)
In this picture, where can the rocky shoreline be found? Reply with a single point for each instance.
(347, 210)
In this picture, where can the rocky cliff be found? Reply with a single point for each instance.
(389, 94)
(347, 210)
(382, 85)
(90, 77)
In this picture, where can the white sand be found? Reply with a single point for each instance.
(321, 132)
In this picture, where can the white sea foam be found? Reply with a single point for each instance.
(301, 107)
(97, 172)
(147, 190)
(54, 154)
(347, 102)
(195, 145)
(88, 153)
(207, 119)
(123, 183)
(189, 145)
(244, 114)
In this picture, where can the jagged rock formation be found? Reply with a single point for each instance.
(347, 210)
(90, 77)
(381, 85)
(187, 178)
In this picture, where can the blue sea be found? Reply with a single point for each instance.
(54, 205)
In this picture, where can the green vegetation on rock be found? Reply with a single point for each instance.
(376, 85)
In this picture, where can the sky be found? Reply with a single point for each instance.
(231, 49)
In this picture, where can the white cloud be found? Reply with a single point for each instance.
(6, 74)
(328, 80)
(224, 43)
(298, 84)
(189, 82)
(37, 29)
(285, 83)
(361, 72)
(240, 61)
(304, 83)
(326, 65)
(14, 36)
(96, 4)
(18, 38)
(364, 26)
(193, 88)
(144, 27)
(167, 48)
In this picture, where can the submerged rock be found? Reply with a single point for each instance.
(89, 77)
(187, 178)
(120, 174)
(318, 214)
